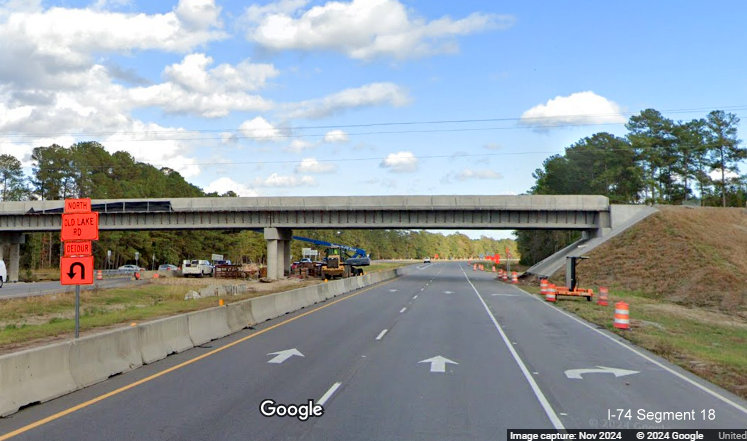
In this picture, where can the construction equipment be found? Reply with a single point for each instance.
(571, 281)
(339, 260)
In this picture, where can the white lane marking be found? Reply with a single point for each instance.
(381, 334)
(533, 384)
(505, 295)
(414, 297)
(645, 357)
(448, 292)
(393, 290)
(281, 356)
(578, 373)
(327, 395)
(403, 310)
(438, 363)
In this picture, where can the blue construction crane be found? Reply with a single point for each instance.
(359, 257)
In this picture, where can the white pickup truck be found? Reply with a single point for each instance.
(197, 268)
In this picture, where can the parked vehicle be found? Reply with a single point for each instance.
(133, 268)
(3, 273)
(167, 267)
(197, 268)
(427, 260)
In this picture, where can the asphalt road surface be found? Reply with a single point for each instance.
(442, 353)
(18, 290)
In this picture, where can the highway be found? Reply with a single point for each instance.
(441, 353)
(19, 290)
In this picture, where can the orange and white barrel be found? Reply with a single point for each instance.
(603, 295)
(514, 277)
(550, 292)
(622, 316)
(493, 269)
(474, 267)
(99, 275)
(543, 287)
(482, 267)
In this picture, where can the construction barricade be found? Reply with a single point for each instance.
(550, 292)
(622, 316)
(603, 296)
(514, 277)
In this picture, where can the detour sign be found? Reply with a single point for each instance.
(80, 226)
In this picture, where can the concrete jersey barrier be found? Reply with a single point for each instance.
(47, 372)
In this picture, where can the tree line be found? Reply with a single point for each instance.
(87, 169)
(659, 161)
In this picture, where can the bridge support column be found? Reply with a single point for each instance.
(13, 241)
(278, 252)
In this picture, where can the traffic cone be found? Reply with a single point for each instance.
(602, 300)
(622, 316)
(550, 292)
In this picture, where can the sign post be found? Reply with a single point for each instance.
(79, 227)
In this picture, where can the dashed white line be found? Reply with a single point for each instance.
(327, 395)
(381, 334)
(403, 310)
(414, 297)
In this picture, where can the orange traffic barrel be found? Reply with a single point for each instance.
(514, 277)
(550, 292)
(137, 275)
(505, 276)
(474, 267)
(493, 269)
(622, 316)
(543, 287)
(602, 300)
(482, 267)
(99, 275)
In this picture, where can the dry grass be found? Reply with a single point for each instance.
(689, 256)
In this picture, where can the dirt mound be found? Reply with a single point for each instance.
(691, 256)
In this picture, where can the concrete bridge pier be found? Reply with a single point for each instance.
(12, 241)
(278, 252)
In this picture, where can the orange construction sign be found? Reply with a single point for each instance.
(76, 270)
(78, 205)
(77, 248)
(80, 226)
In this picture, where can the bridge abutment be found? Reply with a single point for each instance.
(278, 252)
(12, 242)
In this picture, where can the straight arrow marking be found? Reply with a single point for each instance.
(438, 363)
(577, 374)
(281, 356)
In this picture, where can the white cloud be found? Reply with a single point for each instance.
(47, 46)
(374, 94)
(363, 29)
(400, 162)
(577, 109)
(259, 129)
(155, 145)
(729, 175)
(336, 136)
(467, 174)
(198, 14)
(224, 185)
(276, 180)
(298, 145)
(312, 165)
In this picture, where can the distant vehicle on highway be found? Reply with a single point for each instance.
(130, 268)
(167, 267)
(3, 273)
(427, 260)
(199, 268)
(305, 260)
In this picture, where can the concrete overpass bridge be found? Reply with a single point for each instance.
(277, 216)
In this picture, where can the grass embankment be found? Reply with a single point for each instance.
(40, 319)
(682, 272)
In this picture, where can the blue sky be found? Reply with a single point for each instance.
(376, 97)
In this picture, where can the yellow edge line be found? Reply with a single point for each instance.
(80, 406)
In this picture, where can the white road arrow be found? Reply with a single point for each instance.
(438, 363)
(281, 356)
(577, 373)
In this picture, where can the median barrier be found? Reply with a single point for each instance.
(263, 308)
(160, 338)
(207, 324)
(34, 375)
(97, 357)
(41, 374)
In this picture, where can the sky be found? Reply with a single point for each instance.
(362, 97)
